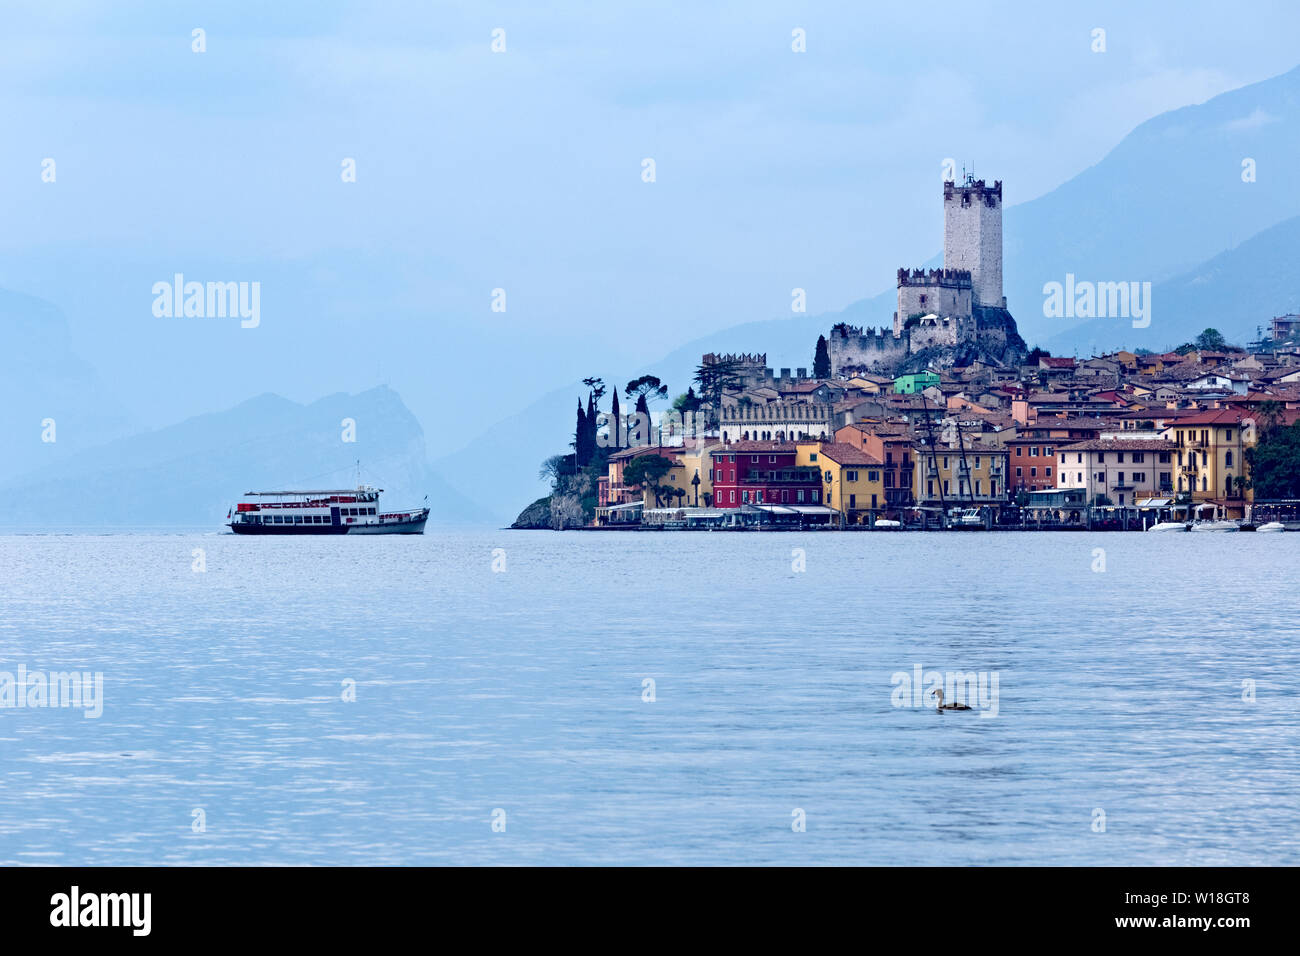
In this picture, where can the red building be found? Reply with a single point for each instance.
(1031, 460)
(762, 473)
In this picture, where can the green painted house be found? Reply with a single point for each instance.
(916, 382)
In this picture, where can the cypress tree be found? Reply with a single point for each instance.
(822, 359)
(580, 437)
(591, 427)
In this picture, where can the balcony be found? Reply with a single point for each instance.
(809, 476)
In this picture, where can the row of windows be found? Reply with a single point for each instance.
(1139, 457)
(1139, 478)
(1033, 451)
(1204, 436)
(1191, 458)
(961, 490)
(310, 519)
(814, 496)
(1033, 471)
(976, 466)
(853, 476)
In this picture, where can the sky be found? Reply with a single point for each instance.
(522, 170)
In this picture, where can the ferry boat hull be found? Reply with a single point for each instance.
(413, 524)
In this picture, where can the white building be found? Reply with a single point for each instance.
(1123, 469)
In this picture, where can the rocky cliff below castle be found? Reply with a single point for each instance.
(988, 336)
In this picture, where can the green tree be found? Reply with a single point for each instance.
(555, 469)
(821, 359)
(714, 380)
(1274, 461)
(645, 390)
(688, 401)
(1211, 340)
(648, 387)
(581, 449)
(646, 473)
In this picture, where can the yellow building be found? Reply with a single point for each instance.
(967, 474)
(851, 478)
(692, 460)
(1210, 460)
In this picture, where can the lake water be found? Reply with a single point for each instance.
(521, 689)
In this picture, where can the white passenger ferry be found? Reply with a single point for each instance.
(352, 511)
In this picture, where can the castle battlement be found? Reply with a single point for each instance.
(945, 278)
(738, 358)
(973, 190)
(843, 330)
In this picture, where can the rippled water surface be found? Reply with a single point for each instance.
(1118, 690)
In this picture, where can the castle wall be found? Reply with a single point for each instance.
(946, 331)
(751, 368)
(972, 237)
(927, 298)
(864, 350)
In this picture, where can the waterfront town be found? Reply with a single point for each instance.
(947, 421)
(1118, 441)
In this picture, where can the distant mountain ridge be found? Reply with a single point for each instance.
(190, 473)
(47, 390)
(1237, 292)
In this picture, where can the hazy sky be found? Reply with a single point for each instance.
(522, 170)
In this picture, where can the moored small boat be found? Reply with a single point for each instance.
(1270, 527)
(1168, 526)
(1215, 525)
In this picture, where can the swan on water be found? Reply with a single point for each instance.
(938, 692)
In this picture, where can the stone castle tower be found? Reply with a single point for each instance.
(971, 276)
(953, 315)
(972, 237)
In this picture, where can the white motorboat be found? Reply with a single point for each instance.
(1168, 526)
(1214, 522)
(1272, 526)
(886, 523)
(1211, 524)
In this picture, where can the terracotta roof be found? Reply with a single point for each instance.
(1218, 416)
(846, 454)
(636, 450)
(1119, 444)
(754, 447)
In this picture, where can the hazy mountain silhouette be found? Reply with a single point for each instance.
(190, 473)
(44, 378)
(1236, 292)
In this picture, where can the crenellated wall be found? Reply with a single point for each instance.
(864, 350)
